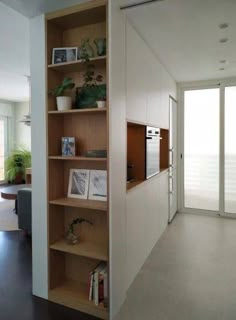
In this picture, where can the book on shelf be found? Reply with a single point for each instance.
(97, 285)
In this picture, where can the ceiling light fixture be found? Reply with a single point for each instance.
(223, 25)
(138, 4)
(223, 40)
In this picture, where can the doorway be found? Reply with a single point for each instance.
(208, 150)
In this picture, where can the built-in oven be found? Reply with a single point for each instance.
(152, 151)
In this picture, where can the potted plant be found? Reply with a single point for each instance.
(71, 237)
(63, 102)
(16, 164)
(93, 92)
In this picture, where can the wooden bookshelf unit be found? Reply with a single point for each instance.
(70, 265)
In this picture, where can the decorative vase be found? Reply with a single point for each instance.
(101, 46)
(64, 103)
(71, 238)
(86, 49)
(101, 104)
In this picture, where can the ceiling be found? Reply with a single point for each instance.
(32, 8)
(184, 34)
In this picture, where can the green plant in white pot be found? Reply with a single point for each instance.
(64, 102)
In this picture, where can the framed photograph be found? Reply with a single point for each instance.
(62, 55)
(78, 183)
(98, 185)
(68, 146)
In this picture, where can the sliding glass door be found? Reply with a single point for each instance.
(201, 149)
(209, 150)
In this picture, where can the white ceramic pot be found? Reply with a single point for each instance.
(101, 104)
(64, 103)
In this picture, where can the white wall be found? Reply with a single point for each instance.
(39, 155)
(14, 35)
(22, 132)
(148, 89)
(117, 163)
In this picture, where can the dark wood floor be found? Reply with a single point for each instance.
(16, 300)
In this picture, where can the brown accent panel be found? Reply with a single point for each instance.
(136, 147)
(164, 149)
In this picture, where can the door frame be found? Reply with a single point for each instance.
(6, 140)
(170, 219)
(221, 84)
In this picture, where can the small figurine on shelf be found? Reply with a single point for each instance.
(71, 238)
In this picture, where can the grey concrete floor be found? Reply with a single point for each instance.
(189, 275)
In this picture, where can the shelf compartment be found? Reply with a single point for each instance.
(84, 249)
(80, 203)
(72, 111)
(78, 65)
(77, 158)
(74, 294)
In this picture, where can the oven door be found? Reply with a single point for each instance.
(152, 156)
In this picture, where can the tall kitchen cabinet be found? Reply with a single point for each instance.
(70, 265)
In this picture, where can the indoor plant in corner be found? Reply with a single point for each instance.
(64, 102)
(16, 164)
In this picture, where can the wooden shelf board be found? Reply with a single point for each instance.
(78, 65)
(84, 249)
(77, 158)
(80, 203)
(133, 184)
(74, 295)
(92, 110)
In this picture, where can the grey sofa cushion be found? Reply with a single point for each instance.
(24, 209)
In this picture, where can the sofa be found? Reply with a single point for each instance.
(24, 209)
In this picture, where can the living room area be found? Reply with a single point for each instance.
(15, 152)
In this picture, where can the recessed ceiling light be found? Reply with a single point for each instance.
(223, 40)
(222, 61)
(223, 25)
(221, 69)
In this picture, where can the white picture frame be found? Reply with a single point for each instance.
(98, 185)
(78, 183)
(63, 55)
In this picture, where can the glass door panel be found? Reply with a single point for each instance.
(201, 149)
(230, 149)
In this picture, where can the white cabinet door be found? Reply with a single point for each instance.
(154, 91)
(172, 193)
(136, 77)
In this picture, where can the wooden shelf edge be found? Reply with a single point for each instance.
(83, 249)
(71, 63)
(73, 295)
(77, 158)
(92, 110)
(79, 203)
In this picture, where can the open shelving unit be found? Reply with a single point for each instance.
(70, 265)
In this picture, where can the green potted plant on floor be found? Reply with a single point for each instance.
(16, 164)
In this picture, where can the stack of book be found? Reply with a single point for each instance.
(98, 285)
